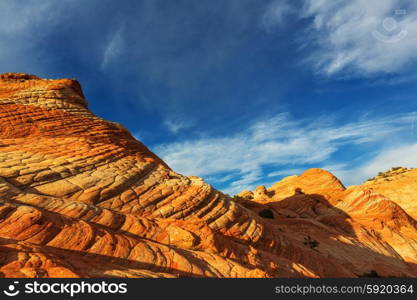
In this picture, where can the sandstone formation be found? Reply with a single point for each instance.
(357, 225)
(398, 184)
(80, 197)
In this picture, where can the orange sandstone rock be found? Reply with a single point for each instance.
(80, 197)
(398, 184)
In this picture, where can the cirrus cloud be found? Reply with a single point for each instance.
(243, 158)
(362, 38)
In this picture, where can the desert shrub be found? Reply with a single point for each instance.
(308, 241)
(247, 197)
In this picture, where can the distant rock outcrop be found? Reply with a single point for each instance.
(359, 225)
(80, 197)
(398, 184)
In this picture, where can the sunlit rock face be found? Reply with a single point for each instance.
(398, 184)
(80, 197)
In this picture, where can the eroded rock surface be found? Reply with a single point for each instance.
(398, 184)
(80, 197)
(357, 225)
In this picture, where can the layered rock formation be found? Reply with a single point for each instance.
(80, 197)
(359, 226)
(398, 184)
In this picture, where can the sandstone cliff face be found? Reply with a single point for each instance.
(80, 197)
(357, 225)
(398, 184)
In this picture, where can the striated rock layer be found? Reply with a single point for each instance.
(398, 184)
(80, 197)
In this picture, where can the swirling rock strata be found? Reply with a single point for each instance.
(364, 230)
(80, 197)
(398, 184)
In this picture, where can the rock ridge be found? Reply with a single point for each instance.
(80, 197)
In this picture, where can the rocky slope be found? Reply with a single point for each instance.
(398, 184)
(80, 197)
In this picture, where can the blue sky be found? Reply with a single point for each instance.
(239, 92)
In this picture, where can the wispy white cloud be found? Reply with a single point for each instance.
(352, 38)
(404, 155)
(276, 14)
(175, 125)
(361, 38)
(18, 18)
(22, 28)
(285, 172)
(114, 47)
(275, 143)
